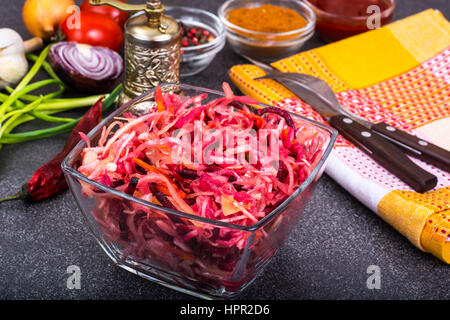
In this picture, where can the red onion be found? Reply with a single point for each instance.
(87, 68)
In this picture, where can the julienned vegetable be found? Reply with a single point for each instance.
(20, 106)
(239, 184)
(95, 29)
(13, 63)
(43, 17)
(235, 184)
(87, 68)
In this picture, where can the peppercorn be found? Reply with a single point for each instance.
(194, 36)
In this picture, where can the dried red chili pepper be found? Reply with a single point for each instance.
(49, 179)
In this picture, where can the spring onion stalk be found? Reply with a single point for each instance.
(48, 118)
(28, 117)
(25, 80)
(50, 132)
(17, 113)
(31, 98)
(16, 94)
(70, 103)
(47, 68)
(3, 97)
(41, 115)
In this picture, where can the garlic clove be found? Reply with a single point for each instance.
(10, 42)
(13, 68)
(13, 64)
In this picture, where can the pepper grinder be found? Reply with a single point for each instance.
(152, 47)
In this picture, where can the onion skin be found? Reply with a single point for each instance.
(42, 17)
(67, 61)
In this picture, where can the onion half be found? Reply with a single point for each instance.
(86, 68)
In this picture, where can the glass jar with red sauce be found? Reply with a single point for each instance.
(339, 19)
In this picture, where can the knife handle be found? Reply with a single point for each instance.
(425, 151)
(385, 153)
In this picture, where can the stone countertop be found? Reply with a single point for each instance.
(325, 257)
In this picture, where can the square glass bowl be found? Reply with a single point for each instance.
(208, 269)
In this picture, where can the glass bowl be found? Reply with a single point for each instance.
(267, 46)
(332, 27)
(195, 59)
(206, 269)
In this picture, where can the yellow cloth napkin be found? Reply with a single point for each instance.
(399, 74)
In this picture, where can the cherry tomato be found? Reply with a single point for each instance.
(118, 16)
(95, 29)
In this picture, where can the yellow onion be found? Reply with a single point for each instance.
(43, 17)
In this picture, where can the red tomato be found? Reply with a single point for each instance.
(95, 29)
(118, 16)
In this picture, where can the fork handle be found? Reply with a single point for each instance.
(425, 150)
(385, 153)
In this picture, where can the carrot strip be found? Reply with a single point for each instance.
(159, 100)
(162, 188)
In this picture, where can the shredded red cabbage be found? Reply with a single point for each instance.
(135, 155)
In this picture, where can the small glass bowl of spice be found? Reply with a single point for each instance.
(202, 37)
(339, 19)
(267, 30)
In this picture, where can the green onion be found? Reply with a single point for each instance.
(31, 98)
(46, 117)
(50, 132)
(23, 83)
(15, 111)
(47, 68)
(69, 103)
(13, 115)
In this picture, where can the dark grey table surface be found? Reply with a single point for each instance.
(325, 257)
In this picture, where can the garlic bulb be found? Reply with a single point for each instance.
(13, 64)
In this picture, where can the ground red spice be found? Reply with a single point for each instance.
(267, 18)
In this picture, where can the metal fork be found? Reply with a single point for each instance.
(317, 91)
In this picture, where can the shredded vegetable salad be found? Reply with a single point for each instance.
(159, 157)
